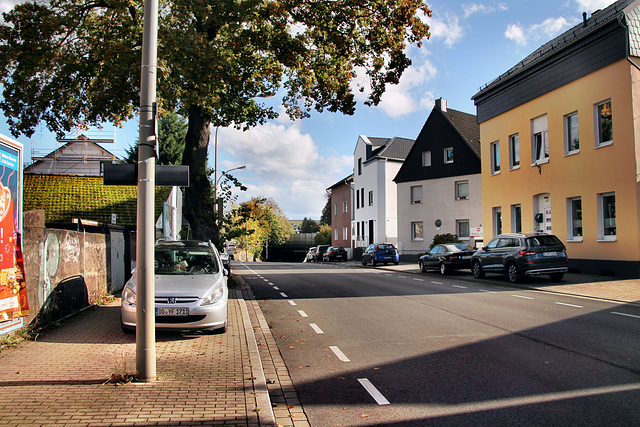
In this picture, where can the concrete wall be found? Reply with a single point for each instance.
(68, 270)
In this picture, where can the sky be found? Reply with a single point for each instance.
(294, 162)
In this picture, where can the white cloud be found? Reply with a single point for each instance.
(448, 29)
(473, 8)
(7, 5)
(592, 5)
(283, 164)
(544, 31)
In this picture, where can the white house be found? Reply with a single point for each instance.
(376, 163)
(439, 183)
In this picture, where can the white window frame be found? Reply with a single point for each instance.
(571, 236)
(458, 192)
(417, 231)
(598, 125)
(568, 151)
(539, 140)
(335, 209)
(514, 150)
(336, 234)
(496, 218)
(371, 198)
(461, 236)
(344, 233)
(516, 218)
(603, 222)
(495, 157)
(344, 206)
(426, 158)
(447, 158)
(414, 195)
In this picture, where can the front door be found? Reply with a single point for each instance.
(370, 231)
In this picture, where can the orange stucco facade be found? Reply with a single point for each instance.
(543, 191)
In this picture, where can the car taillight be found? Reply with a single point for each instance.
(526, 253)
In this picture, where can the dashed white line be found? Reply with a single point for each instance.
(276, 288)
(302, 313)
(271, 284)
(292, 302)
(569, 305)
(625, 314)
(316, 328)
(521, 296)
(402, 277)
(491, 292)
(373, 391)
(436, 283)
(418, 280)
(339, 354)
(459, 286)
(284, 295)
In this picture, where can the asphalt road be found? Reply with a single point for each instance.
(371, 347)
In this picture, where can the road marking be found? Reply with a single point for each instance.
(491, 292)
(316, 328)
(373, 391)
(402, 277)
(459, 286)
(419, 280)
(339, 354)
(266, 280)
(521, 296)
(436, 283)
(569, 305)
(271, 284)
(292, 302)
(284, 295)
(302, 313)
(625, 314)
(276, 288)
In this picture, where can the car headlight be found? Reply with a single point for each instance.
(213, 297)
(129, 296)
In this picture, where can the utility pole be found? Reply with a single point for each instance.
(147, 145)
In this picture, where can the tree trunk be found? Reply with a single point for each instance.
(198, 206)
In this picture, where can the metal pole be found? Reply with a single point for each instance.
(145, 299)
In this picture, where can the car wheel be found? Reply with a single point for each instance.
(478, 273)
(556, 276)
(127, 330)
(513, 273)
(373, 262)
(443, 269)
(364, 262)
(421, 265)
(396, 263)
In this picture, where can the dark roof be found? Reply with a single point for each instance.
(64, 197)
(341, 182)
(467, 125)
(395, 148)
(597, 19)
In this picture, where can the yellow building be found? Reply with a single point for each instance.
(560, 137)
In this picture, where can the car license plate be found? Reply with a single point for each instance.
(466, 257)
(177, 311)
(550, 254)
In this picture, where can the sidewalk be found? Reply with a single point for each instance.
(234, 379)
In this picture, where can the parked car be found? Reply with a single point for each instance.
(519, 255)
(320, 250)
(335, 253)
(446, 257)
(226, 260)
(380, 253)
(311, 255)
(190, 288)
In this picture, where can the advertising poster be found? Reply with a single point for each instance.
(13, 292)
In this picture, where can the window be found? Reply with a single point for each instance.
(516, 219)
(357, 199)
(607, 216)
(344, 233)
(574, 219)
(358, 230)
(539, 140)
(344, 206)
(462, 190)
(462, 229)
(362, 197)
(495, 158)
(417, 231)
(604, 123)
(360, 166)
(335, 209)
(497, 220)
(571, 135)
(335, 234)
(514, 151)
(448, 155)
(426, 158)
(370, 198)
(416, 194)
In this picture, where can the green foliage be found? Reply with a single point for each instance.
(325, 218)
(309, 226)
(324, 236)
(444, 238)
(172, 130)
(68, 63)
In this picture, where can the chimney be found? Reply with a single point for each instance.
(441, 104)
(584, 19)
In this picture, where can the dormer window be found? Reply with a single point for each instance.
(448, 155)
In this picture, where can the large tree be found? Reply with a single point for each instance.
(70, 62)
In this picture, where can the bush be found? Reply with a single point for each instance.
(444, 238)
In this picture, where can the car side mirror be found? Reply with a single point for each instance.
(225, 272)
(485, 248)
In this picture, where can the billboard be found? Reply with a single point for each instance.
(13, 292)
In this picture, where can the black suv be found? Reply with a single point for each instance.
(519, 255)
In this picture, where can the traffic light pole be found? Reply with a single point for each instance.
(147, 143)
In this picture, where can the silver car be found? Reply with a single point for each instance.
(191, 288)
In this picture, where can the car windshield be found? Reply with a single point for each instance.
(541, 241)
(383, 247)
(185, 261)
(456, 247)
